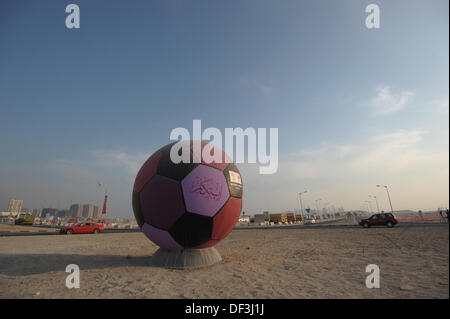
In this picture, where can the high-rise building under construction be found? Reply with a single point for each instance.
(15, 205)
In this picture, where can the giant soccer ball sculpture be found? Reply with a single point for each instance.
(187, 208)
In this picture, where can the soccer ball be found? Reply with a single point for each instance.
(187, 205)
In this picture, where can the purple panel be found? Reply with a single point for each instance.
(162, 202)
(160, 237)
(205, 190)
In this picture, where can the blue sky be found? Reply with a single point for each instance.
(354, 106)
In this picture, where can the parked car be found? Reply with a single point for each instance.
(386, 219)
(82, 228)
(310, 221)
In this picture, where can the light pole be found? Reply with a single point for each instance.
(317, 206)
(366, 208)
(376, 200)
(300, 198)
(387, 190)
(325, 206)
(370, 205)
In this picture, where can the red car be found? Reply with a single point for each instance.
(386, 219)
(83, 228)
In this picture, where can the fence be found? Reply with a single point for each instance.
(425, 218)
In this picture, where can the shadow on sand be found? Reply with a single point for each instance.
(31, 264)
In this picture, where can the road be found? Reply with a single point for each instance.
(331, 224)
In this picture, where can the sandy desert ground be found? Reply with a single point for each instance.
(258, 263)
(5, 228)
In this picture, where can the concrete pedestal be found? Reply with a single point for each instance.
(186, 258)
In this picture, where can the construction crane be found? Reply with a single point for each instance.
(105, 200)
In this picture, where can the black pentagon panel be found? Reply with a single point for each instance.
(234, 180)
(137, 209)
(191, 230)
(174, 171)
(165, 148)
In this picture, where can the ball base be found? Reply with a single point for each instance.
(185, 258)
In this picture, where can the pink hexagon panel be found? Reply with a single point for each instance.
(147, 171)
(160, 237)
(226, 218)
(162, 202)
(205, 190)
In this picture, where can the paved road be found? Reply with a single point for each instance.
(56, 232)
(323, 225)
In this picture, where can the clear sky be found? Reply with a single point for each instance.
(355, 107)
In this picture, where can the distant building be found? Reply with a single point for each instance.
(259, 218)
(6, 214)
(244, 219)
(64, 213)
(76, 210)
(7, 217)
(84, 211)
(278, 218)
(47, 212)
(291, 217)
(15, 205)
(88, 211)
(97, 212)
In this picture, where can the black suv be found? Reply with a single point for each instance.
(386, 219)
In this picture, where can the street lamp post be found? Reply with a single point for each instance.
(300, 198)
(376, 201)
(389, 197)
(325, 206)
(370, 206)
(366, 207)
(317, 206)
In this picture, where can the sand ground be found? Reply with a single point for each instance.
(6, 228)
(258, 263)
